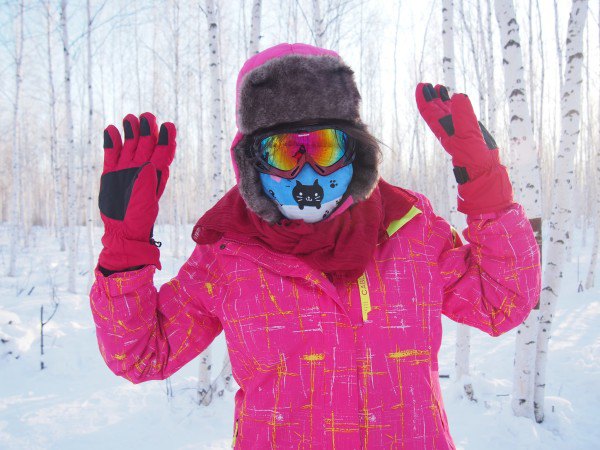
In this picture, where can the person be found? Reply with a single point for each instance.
(328, 282)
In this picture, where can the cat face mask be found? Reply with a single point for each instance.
(308, 196)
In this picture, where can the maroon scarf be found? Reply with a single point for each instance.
(342, 245)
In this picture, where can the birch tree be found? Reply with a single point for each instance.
(560, 221)
(216, 101)
(558, 45)
(55, 167)
(527, 182)
(205, 388)
(490, 73)
(591, 274)
(255, 27)
(545, 161)
(91, 167)
(178, 200)
(318, 28)
(70, 153)
(16, 153)
(463, 333)
(201, 169)
(397, 140)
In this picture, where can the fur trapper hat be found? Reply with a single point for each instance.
(298, 83)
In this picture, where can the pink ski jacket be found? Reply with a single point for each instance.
(324, 363)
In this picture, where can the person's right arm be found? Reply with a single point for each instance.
(145, 334)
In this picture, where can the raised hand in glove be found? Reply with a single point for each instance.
(483, 183)
(133, 180)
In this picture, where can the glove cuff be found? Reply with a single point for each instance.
(119, 254)
(489, 192)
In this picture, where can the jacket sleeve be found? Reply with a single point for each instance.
(145, 334)
(493, 281)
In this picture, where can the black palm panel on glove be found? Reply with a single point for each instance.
(134, 177)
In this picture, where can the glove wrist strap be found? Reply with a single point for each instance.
(119, 253)
(489, 192)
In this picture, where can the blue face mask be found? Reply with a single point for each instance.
(309, 196)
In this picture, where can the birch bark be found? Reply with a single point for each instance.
(216, 101)
(560, 217)
(490, 73)
(91, 167)
(205, 388)
(595, 177)
(463, 333)
(318, 28)
(255, 27)
(16, 212)
(70, 153)
(178, 200)
(59, 219)
(201, 169)
(526, 181)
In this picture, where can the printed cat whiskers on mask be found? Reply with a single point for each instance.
(308, 195)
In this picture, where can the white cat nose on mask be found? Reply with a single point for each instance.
(309, 196)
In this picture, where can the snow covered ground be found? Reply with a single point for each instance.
(77, 403)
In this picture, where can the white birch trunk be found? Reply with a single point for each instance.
(461, 359)
(397, 140)
(558, 46)
(318, 30)
(136, 60)
(456, 219)
(15, 212)
(59, 218)
(91, 168)
(490, 74)
(70, 153)
(475, 52)
(531, 67)
(177, 197)
(595, 177)
(291, 27)
(201, 168)
(225, 376)
(226, 166)
(591, 274)
(560, 218)
(205, 388)
(450, 82)
(216, 101)
(527, 182)
(540, 122)
(463, 333)
(255, 27)
(224, 381)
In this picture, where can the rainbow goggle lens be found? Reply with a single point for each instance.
(284, 154)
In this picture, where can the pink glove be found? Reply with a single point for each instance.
(134, 177)
(483, 183)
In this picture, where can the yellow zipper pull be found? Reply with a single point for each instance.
(365, 300)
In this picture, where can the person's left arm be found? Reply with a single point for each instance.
(493, 281)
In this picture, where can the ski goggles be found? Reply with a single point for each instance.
(284, 154)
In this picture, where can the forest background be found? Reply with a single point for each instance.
(71, 68)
